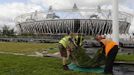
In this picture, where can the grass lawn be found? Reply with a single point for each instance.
(126, 58)
(23, 65)
(30, 48)
(27, 48)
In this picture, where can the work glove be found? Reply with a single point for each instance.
(65, 67)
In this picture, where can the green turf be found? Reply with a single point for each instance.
(23, 65)
(30, 48)
(27, 48)
(127, 58)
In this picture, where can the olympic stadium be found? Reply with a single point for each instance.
(54, 24)
(86, 21)
(51, 25)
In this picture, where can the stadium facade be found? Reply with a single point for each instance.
(95, 21)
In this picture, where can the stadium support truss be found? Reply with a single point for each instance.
(85, 21)
(84, 26)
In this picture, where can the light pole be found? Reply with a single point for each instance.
(115, 22)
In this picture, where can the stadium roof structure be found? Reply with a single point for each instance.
(73, 13)
(86, 21)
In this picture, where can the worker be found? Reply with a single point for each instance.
(65, 48)
(111, 49)
(79, 39)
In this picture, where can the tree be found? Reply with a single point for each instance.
(6, 31)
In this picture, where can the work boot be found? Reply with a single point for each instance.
(65, 67)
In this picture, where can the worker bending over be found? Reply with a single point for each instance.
(111, 50)
(79, 39)
(65, 45)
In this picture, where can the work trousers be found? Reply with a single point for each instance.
(63, 51)
(110, 60)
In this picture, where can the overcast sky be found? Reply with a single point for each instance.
(13, 8)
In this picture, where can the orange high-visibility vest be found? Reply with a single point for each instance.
(109, 44)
